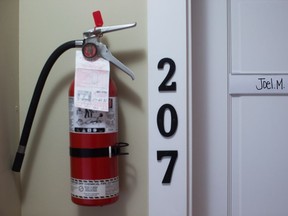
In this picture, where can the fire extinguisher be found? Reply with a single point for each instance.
(94, 147)
(94, 150)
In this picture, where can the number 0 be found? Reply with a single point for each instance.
(160, 120)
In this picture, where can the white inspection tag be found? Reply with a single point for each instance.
(91, 86)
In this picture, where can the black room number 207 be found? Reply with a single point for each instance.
(168, 132)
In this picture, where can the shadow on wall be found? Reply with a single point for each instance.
(9, 181)
(39, 130)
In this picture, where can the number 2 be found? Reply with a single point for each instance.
(164, 86)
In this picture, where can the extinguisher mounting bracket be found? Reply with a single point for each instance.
(110, 151)
(122, 145)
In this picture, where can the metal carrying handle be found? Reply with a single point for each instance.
(92, 46)
(99, 31)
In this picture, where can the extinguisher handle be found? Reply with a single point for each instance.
(92, 36)
(99, 31)
(105, 53)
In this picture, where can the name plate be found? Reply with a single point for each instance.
(258, 84)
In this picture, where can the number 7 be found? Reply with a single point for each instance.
(168, 174)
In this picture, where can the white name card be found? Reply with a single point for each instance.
(258, 84)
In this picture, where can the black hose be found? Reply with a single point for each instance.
(19, 157)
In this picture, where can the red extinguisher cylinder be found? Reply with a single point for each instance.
(94, 167)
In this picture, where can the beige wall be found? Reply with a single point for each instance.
(44, 25)
(9, 124)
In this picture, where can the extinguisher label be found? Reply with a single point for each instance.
(95, 189)
(91, 121)
(91, 83)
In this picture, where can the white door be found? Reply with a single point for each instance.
(239, 102)
(240, 107)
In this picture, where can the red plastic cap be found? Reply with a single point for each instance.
(98, 19)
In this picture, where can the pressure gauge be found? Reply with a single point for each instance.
(89, 50)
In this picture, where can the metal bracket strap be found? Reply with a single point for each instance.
(110, 151)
